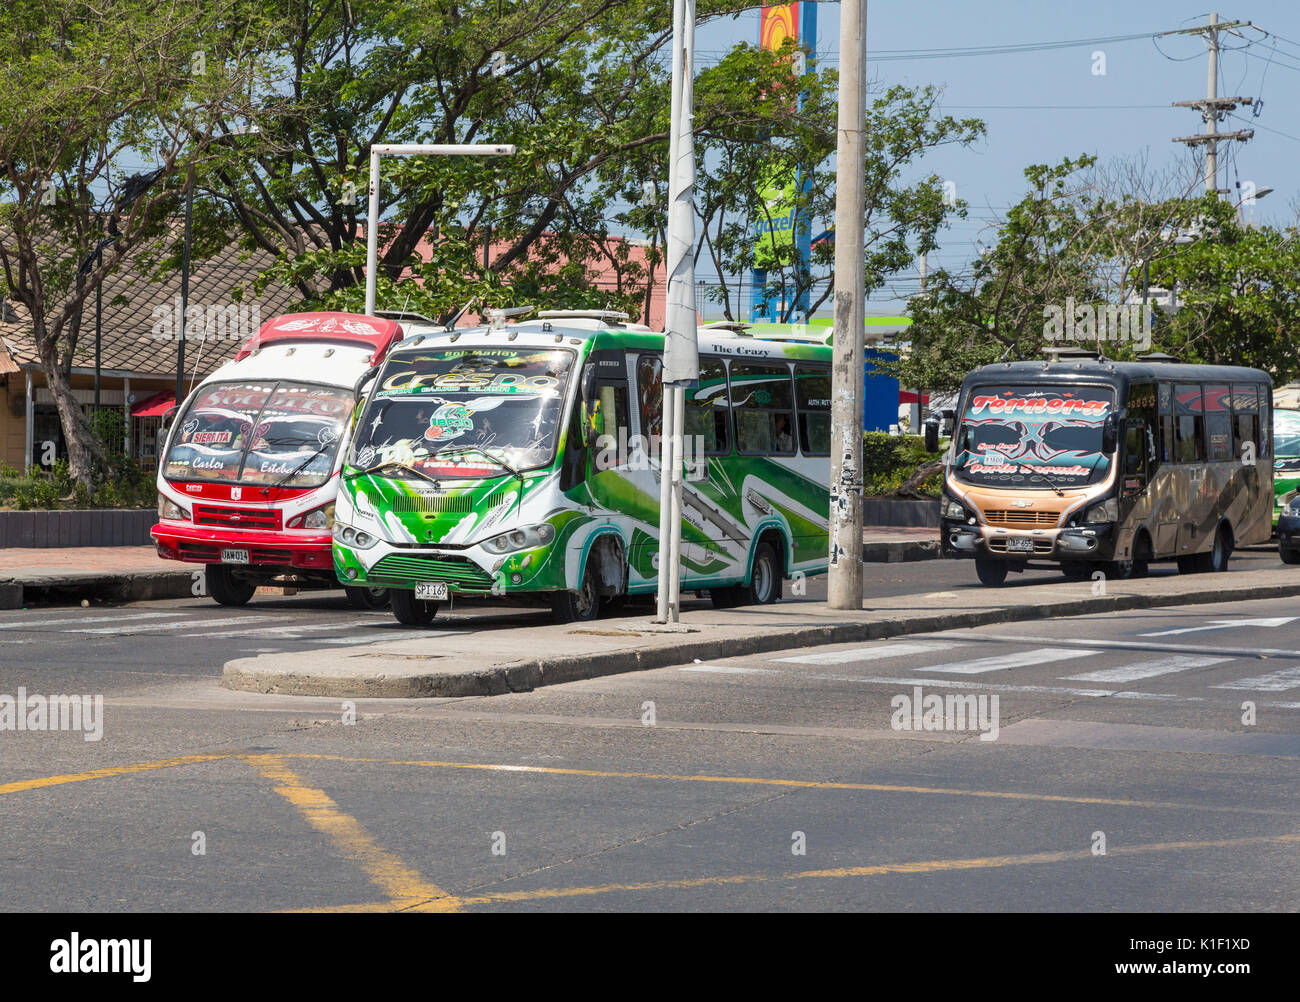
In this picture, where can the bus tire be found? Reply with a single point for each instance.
(764, 586)
(1216, 561)
(1289, 556)
(409, 610)
(1075, 570)
(366, 598)
(991, 572)
(726, 598)
(581, 606)
(225, 588)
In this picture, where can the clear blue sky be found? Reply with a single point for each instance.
(1074, 110)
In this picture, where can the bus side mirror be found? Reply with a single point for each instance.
(1109, 434)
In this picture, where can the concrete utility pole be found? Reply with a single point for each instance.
(1213, 107)
(845, 585)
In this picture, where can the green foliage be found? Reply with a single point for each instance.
(888, 460)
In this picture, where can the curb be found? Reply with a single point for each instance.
(139, 586)
(247, 675)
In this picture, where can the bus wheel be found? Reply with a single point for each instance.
(411, 611)
(1125, 570)
(366, 598)
(765, 581)
(1075, 570)
(1216, 561)
(1289, 556)
(991, 572)
(226, 588)
(579, 606)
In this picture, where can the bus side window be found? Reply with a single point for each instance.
(1189, 424)
(1245, 410)
(1218, 423)
(812, 385)
(611, 411)
(763, 402)
(650, 396)
(707, 414)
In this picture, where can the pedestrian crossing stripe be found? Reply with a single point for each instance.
(1277, 681)
(1146, 669)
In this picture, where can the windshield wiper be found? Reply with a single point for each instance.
(388, 464)
(266, 491)
(482, 452)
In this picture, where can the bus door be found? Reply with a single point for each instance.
(1140, 457)
(1166, 495)
(1189, 443)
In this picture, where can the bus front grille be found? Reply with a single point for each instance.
(1019, 517)
(433, 504)
(399, 567)
(238, 518)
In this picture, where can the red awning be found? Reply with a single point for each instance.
(154, 406)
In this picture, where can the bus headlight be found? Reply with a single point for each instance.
(953, 509)
(354, 537)
(170, 511)
(318, 518)
(521, 539)
(1293, 506)
(1107, 511)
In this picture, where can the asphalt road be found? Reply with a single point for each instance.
(776, 782)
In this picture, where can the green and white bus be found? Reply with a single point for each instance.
(1286, 459)
(521, 461)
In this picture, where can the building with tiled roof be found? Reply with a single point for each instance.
(138, 347)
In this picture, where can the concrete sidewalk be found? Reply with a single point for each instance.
(490, 662)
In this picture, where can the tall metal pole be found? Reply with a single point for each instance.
(1211, 113)
(185, 285)
(845, 584)
(681, 348)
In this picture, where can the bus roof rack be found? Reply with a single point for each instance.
(1159, 356)
(497, 318)
(1055, 354)
(735, 326)
(608, 316)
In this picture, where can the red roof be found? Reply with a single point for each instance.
(339, 328)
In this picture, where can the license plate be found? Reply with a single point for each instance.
(234, 556)
(1020, 544)
(431, 591)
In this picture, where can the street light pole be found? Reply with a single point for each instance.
(845, 585)
(408, 150)
(185, 284)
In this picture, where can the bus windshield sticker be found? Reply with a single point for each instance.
(1021, 435)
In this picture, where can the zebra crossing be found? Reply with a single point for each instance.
(325, 627)
(957, 661)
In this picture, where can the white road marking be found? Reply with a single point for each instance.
(71, 620)
(188, 624)
(1137, 645)
(1146, 669)
(1001, 662)
(278, 630)
(1225, 624)
(901, 649)
(731, 669)
(1277, 681)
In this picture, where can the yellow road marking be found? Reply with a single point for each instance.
(115, 770)
(809, 784)
(404, 887)
(925, 866)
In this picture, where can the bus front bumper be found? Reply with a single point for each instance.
(957, 539)
(195, 545)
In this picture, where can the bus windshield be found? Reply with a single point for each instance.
(1024, 436)
(1286, 439)
(272, 432)
(465, 412)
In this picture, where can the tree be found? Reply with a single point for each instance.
(84, 87)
